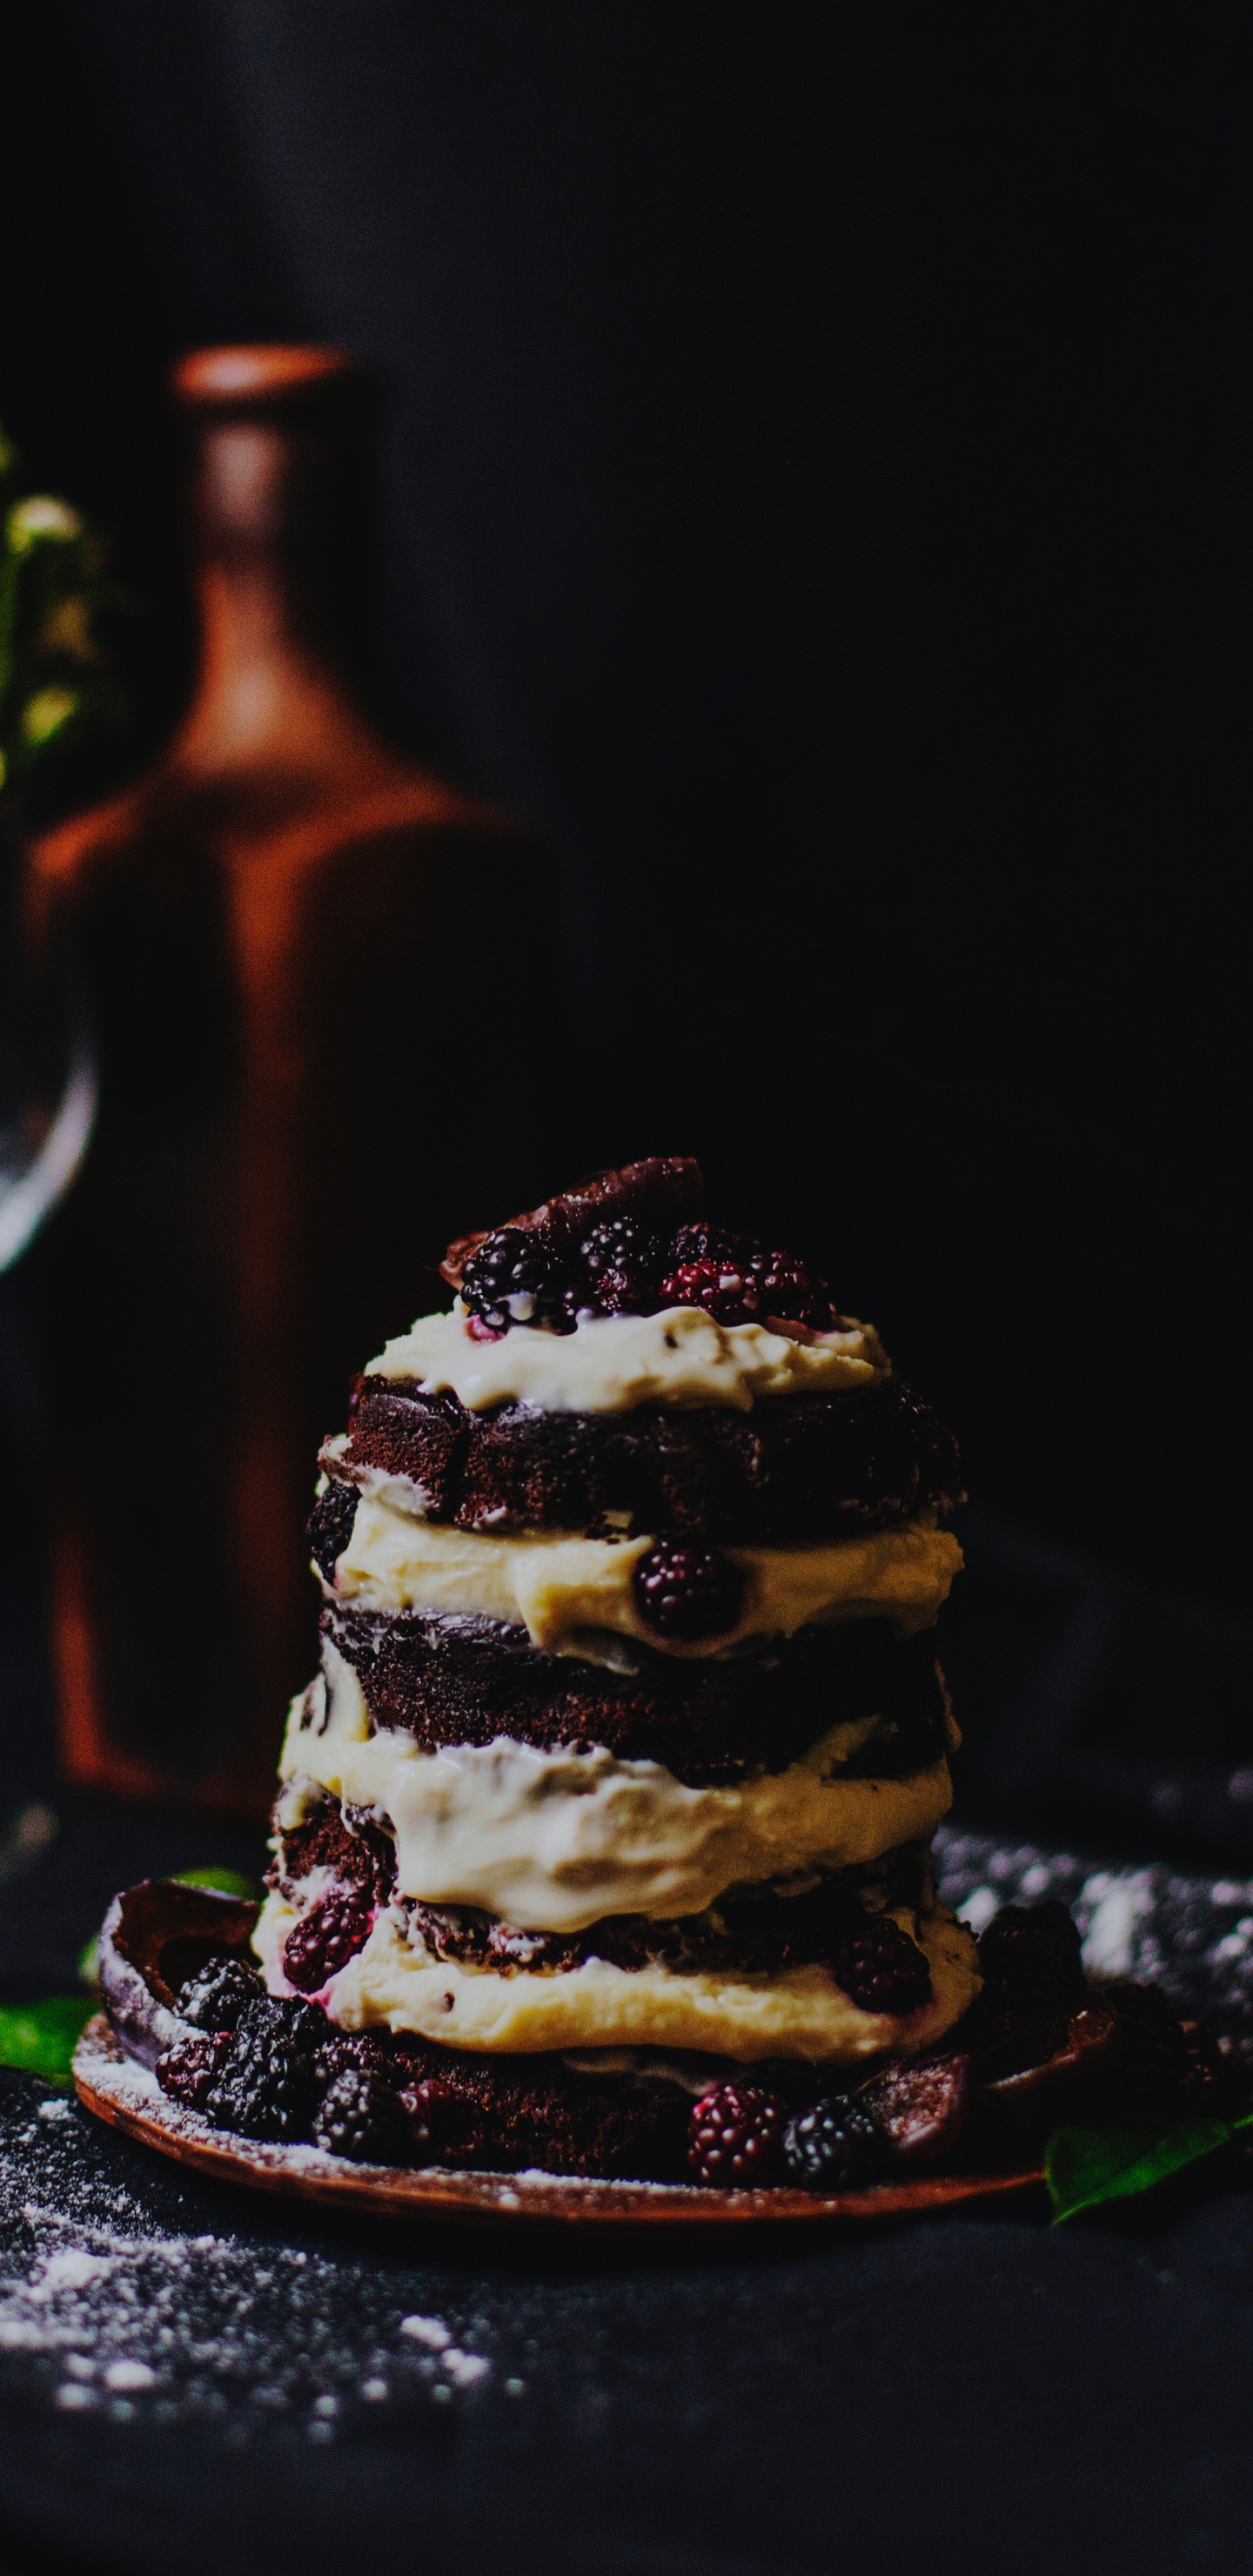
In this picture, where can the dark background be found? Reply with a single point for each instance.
(815, 495)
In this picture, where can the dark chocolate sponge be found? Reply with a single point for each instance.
(757, 1932)
(804, 1467)
(506, 2114)
(328, 1839)
(358, 1852)
(461, 1681)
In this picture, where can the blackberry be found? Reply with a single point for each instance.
(734, 2134)
(738, 1282)
(326, 1938)
(361, 2052)
(712, 1270)
(1030, 1963)
(688, 1591)
(189, 2070)
(786, 1288)
(881, 1968)
(329, 1526)
(359, 2116)
(266, 2087)
(441, 2128)
(621, 1266)
(513, 1278)
(833, 2146)
(218, 1994)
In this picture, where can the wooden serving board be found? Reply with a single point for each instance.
(124, 2094)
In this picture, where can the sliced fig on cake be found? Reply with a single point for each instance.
(920, 2107)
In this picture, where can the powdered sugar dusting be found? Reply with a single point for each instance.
(430, 2331)
(111, 2311)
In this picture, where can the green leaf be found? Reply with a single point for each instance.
(228, 1882)
(1086, 2167)
(41, 2038)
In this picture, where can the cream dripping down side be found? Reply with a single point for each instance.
(575, 1595)
(679, 1357)
(556, 1840)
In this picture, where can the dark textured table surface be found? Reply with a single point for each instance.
(192, 2378)
(976, 2389)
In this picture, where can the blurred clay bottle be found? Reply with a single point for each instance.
(325, 989)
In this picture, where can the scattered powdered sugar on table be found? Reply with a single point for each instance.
(1192, 1934)
(110, 2309)
(430, 2331)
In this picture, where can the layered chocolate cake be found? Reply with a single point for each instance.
(603, 1838)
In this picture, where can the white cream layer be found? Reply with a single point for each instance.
(570, 1592)
(799, 2013)
(556, 1840)
(680, 1357)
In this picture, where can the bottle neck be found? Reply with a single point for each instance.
(272, 697)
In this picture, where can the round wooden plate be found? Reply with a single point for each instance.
(130, 2099)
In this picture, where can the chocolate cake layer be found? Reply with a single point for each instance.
(462, 1681)
(753, 1933)
(750, 1931)
(795, 1468)
(508, 2115)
